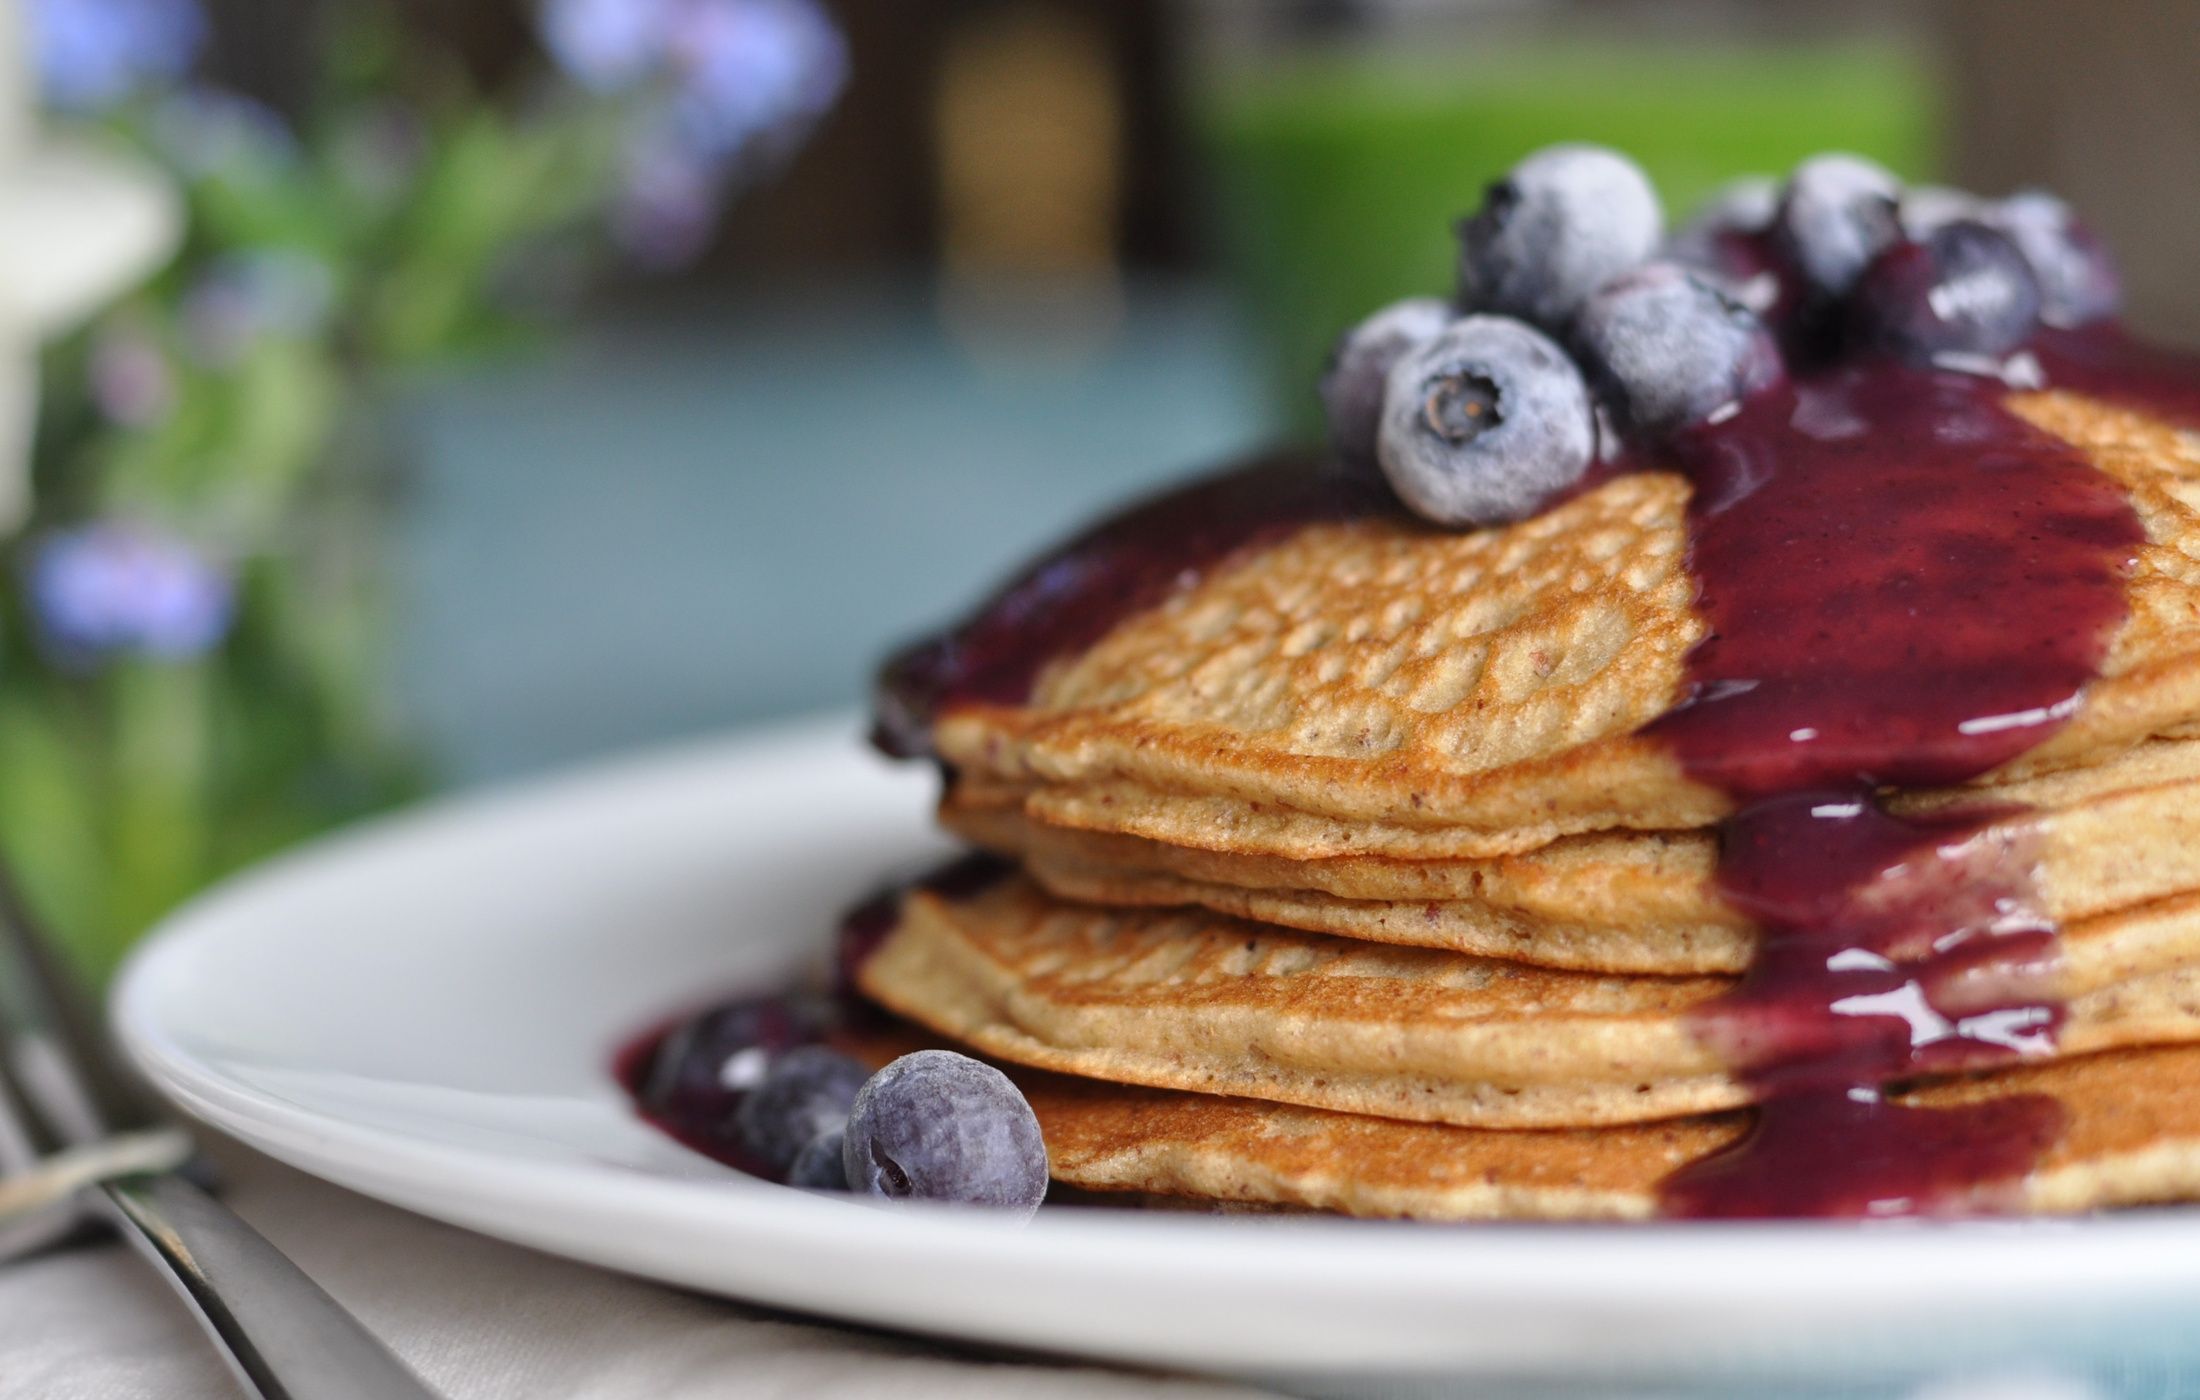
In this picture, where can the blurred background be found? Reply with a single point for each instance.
(509, 381)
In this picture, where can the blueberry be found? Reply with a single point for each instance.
(1742, 206)
(1567, 220)
(1721, 242)
(1352, 387)
(1667, 348)
(1835, 215)
(807, 1091)
(818, 1166)
(1926, 209)
(1964, 291)
(709, 1061)
(2078, 280)
(938, 1126)
(1484, 423)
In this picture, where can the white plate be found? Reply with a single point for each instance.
(425, 1011)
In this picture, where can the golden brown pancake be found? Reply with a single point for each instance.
(1195, 1001)
(1377, 687)
(2131, 1137)
(2112, 836)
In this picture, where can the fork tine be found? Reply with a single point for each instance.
(25, 1138)
(77, 1054)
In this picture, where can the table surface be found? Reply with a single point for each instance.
(483, 1320)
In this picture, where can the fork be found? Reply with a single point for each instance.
(281, 1333)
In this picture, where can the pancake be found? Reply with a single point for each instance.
(2123, 833)
(1377, 687)
(2131, 1136)
(1199, 1002)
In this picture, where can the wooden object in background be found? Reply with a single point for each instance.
(2099, 102)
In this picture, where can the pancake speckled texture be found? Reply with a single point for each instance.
(1349, 883)
(1383, 688)
(2131, 1137)
(2109, 837)
(1200, 1002)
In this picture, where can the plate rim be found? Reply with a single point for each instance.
(1914, 1271)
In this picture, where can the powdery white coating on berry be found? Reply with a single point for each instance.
(1567, 220)
(1667, 348)
(1836, 214)
(1966, 291)
(1926, 209)
(938, 1126)
(1352, 387)
(1485, 423)
(805, 1092)
(2078, 280)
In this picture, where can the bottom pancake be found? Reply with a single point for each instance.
(2130, 1137)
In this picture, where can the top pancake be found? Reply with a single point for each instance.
(1378, 687)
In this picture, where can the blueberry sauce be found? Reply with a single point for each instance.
(864, 927)
(689, 1075)
(1077, 592)
(2106, 362)
(1906, 585)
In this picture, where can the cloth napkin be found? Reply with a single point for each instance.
(483, 1320)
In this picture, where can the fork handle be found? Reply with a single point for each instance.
(283, 1334)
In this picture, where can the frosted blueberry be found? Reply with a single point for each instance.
(1835, 215)
(1925, 209)
(1484, 423)
(1565, 221)
(1352, 386)
(1666, 348)
(804, 1092)
(818, 1166)
(709, 1061)
(2078, 280)
(1966, 290)
(1741, 206)
(938, 1126)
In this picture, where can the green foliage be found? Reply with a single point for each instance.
(403, 221)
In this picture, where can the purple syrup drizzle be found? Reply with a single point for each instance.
(1077, 592)
(1906, 584)
(688, 1075)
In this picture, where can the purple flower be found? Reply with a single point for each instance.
(247, 297)
(131, 380)
(607, 44)
(94, 53)
(117, 586)
(748, 70)
(668, 201)
(729, 85)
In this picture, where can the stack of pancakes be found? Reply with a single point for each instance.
(1346, 879)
